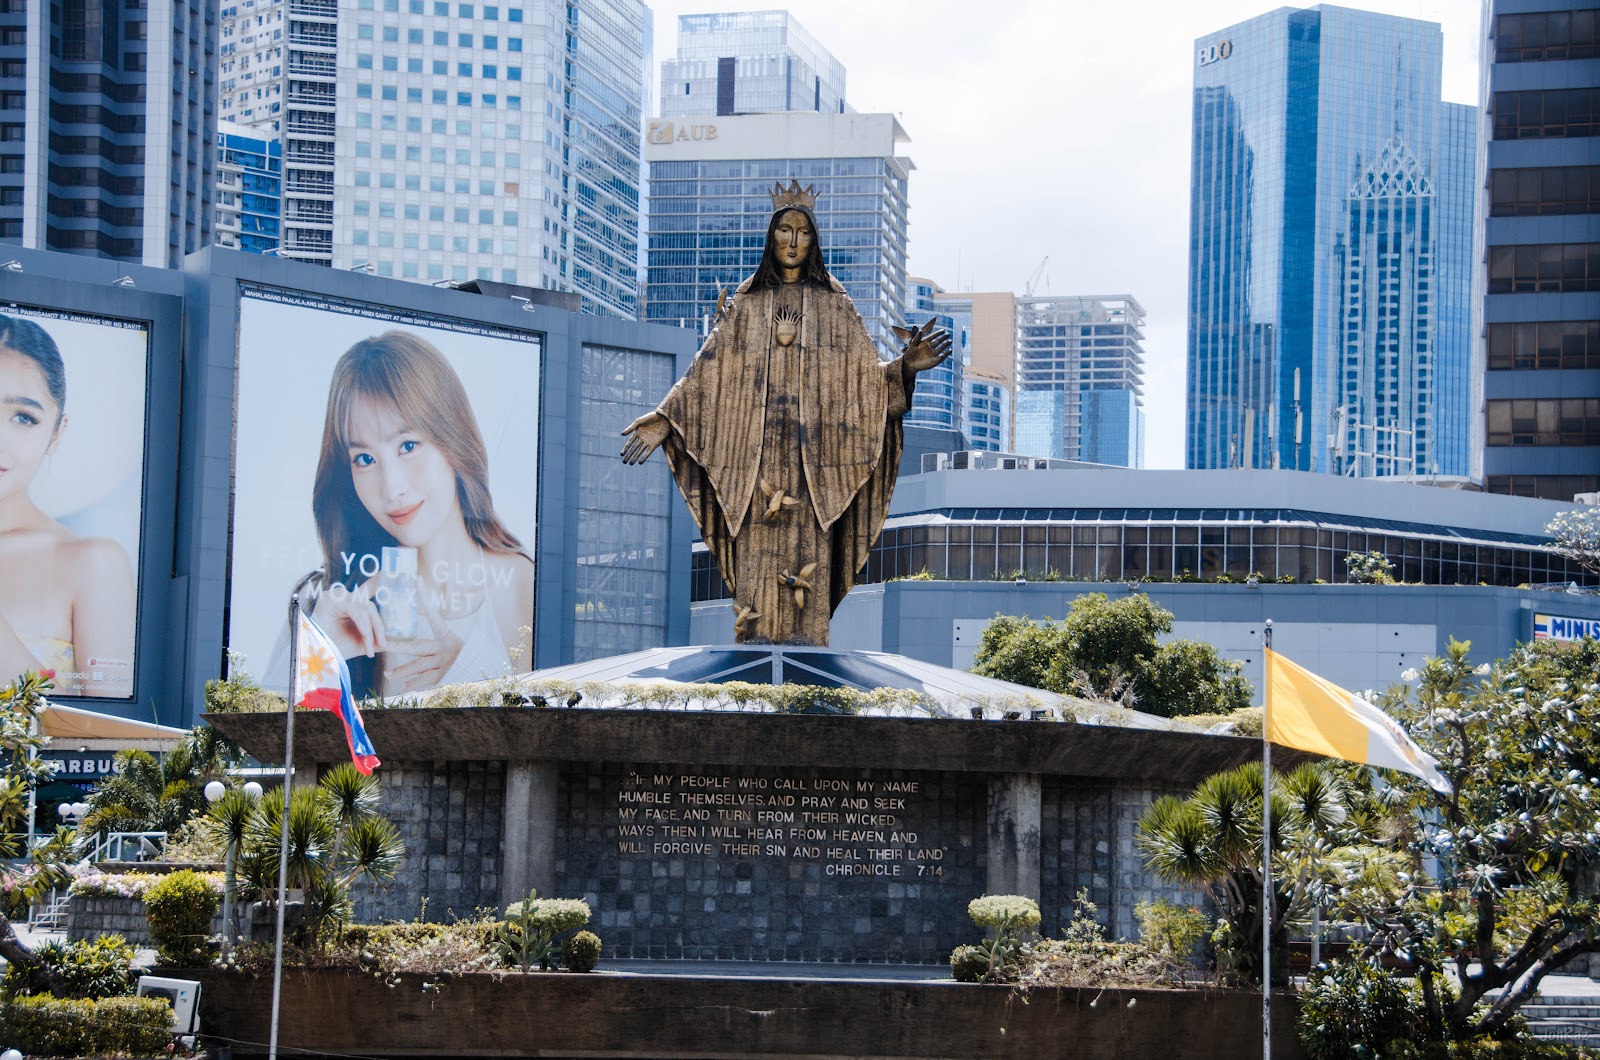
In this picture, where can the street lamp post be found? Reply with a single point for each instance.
(214, 791)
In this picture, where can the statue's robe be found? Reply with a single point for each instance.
(818, 419)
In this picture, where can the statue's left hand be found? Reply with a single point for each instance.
(924, 350)
(648, 432)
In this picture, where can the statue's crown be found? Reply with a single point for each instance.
(782, 197)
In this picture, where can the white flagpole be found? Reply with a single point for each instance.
(283, 828)
(1266, 855)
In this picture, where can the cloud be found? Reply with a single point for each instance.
(1062, 130)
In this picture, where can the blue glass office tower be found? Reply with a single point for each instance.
(711, 198)
(1541, 385)
(1330, 245)
(936, 401)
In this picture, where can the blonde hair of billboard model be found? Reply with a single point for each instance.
(404, 466)
(64, 599)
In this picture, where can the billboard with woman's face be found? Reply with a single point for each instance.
(72, 447)
(395, 462)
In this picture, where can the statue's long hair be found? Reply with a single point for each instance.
(813, 270)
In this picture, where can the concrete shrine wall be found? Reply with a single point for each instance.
(761, 836)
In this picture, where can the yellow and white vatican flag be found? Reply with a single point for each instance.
(1311, 713)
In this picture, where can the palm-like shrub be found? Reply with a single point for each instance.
(1212, 840)
(336, 837)
(146, 795)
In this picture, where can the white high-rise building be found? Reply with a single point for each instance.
(436, 140)
(250, 63)
(711, 198)
(1080, 378)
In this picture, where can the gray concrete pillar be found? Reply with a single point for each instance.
(1014, 806)
(528, 831)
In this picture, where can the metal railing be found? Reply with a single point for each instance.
(314, 8)
(128, 846)
(50, 912)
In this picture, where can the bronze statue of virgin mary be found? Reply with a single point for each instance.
(784, 434)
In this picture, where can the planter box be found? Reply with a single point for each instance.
(90, 917)
(690, 1016)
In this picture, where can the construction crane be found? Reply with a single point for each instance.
(1027, 288)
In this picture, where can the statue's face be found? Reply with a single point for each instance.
(792, 238)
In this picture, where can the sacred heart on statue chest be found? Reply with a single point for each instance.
(785, 326)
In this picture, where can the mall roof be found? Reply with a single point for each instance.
(1322, 499)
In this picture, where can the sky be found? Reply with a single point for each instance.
(1059, 130)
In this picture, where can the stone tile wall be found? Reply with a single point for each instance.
(1087, 841)
(89, 918)
(702, 869)
(449, 814)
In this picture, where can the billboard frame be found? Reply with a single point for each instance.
(386, 316)
(161, 315)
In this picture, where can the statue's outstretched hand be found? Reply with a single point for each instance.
(924, 347)
(646, 434)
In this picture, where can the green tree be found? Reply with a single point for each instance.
(1111, 649)
(143, 794)
(1501, 882)
(1190, 677)
(1369, 568)
(337, 836)
(1212, 840)
(1576, 535)
(44, 865)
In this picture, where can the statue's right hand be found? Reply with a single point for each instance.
(646, 435)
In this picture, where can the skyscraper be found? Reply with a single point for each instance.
(986, 410)
(1330, 243)
(1088, 351)
(936, 401)
(107, 117)
(984, 324)
(749, 100)
(449, 141)
(749, 62)
(1541, 236)
(710, 201)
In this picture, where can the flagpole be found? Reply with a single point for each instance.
(1266, 852)
(283, 826)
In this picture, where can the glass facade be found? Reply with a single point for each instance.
(249, 189)
(621, 585)
(1113, 428)
(936, 402)
(1076, 347)
(1041, 423)
(749, 62)
(708, 224)
(986, 410)
(1541, 251)
(1182, 544)
(1331, 201)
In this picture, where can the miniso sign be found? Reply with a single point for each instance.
(1558, 627)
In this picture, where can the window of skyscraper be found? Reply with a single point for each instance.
(1546, 35)
(1546, 267)
(1541, 114)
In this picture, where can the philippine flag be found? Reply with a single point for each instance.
(323, 683)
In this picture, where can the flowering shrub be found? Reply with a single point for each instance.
(127, 884)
